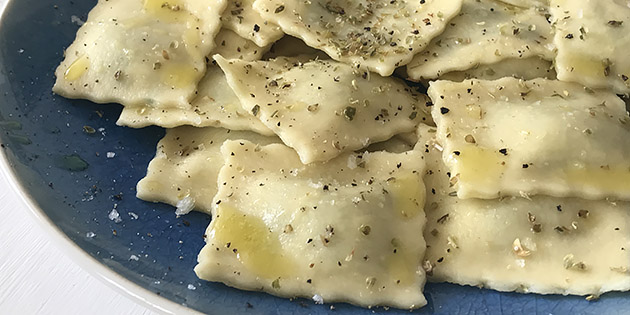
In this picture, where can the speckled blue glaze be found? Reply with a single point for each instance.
(38, 129)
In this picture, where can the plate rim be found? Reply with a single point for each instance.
(70, 249)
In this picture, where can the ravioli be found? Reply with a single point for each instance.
(140, 52)
(247, 23)
(336, 230)
(485, 32)
(215, 104)
(526, 69)
(187, 164)
(544, 244)
(593, 43)
(378, 36)
(520, 138)
(322, 108)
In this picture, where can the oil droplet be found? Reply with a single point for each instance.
(23, 140)
(612, 181)
(141, 110)
(77, 69)
(10, 125)
(478, 165)
(179, 75)
(72, 162)
(407, 193)
(258, 249)
(587, 66)
(402, 265)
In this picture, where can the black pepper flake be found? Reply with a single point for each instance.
(256, 28)
(365, 229)
(614, 23)
(525, 165)
(444, 110)
(560, 229)
(537, 228)
(442, 219)
(503, 151)
(349, 113)
(457, 153)
(279, 9)
(569, 36)
(559, 208)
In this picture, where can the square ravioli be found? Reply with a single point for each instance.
(214, 105)
(485, 32)
(543, 244)
(593, 42)
(140, 52)
(184, 171)
(323, 108)
(346, 230)
(379, 36)
(520, 138)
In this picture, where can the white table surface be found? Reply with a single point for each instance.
(37, 278)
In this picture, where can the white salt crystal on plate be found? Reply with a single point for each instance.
(115, 216)
(185, 205)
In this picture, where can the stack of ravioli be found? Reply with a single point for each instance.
(329, 175)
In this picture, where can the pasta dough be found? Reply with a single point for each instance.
(241, 17)
(528, 3)
(342, 231)
(526, 69)
(543, 245)
(187, 164)
(513, 138)
(322, 108)
(593, 42)
(380, 37)
(289, 46)
(485, 32)
(140, 52)
(215, 104)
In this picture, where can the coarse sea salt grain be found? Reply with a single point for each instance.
(114, 216)
(111, 155)
(134, 257)
(318, 299)
(90, 234)
(191, 287)
(185, 205)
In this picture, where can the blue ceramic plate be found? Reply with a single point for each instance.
(71, 181)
